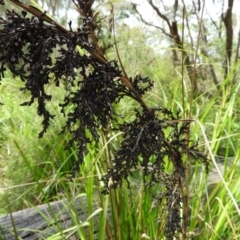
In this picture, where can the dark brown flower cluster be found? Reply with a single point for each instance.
(170, 200)
(26, 46)
(93, 103)
(148, 142)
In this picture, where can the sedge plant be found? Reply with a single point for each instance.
(134, 165)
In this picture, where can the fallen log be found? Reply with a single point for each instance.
(45, 220)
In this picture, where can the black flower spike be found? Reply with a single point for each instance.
(145, 146)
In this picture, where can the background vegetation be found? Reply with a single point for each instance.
(198, 75)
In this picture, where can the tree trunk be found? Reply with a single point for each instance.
(227, 19)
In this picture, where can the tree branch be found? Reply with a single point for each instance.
(150, 24)
(161, 15)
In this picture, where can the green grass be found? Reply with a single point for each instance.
(36, 170)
